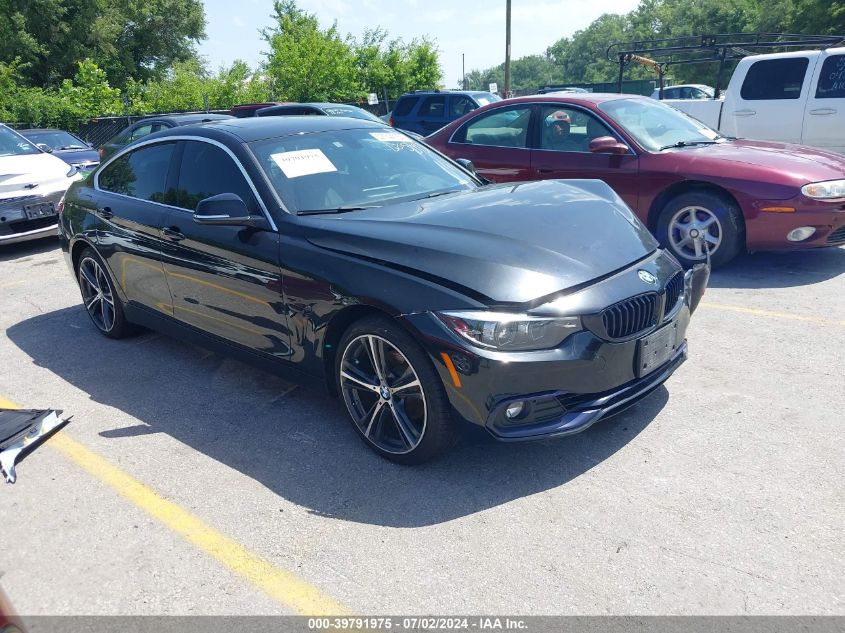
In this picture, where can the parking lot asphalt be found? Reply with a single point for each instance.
(189, 483)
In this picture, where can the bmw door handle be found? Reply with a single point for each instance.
(173, 233)
(745, 112)
(823, 111)
(105, 213)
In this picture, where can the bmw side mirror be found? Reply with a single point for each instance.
(227, 209)
(608, 145)
(466, 164)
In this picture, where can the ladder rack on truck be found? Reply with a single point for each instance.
(660, 54)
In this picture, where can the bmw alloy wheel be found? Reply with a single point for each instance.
(96, 294)
(383, 394)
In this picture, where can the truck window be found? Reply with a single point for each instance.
(771, 79)
(832, 78)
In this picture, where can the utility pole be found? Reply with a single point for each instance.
(464, 71)
(508, 49)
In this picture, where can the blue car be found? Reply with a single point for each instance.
(426, 111)
(71, 149)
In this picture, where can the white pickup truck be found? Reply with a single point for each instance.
(796, 97)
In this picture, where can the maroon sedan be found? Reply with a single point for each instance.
(694, 189)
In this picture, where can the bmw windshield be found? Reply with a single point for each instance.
(656, 126)
(346, 170)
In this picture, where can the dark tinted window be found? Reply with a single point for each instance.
(433, 107)
(832, 78)
(206, 171)
(404, 106)
(461, 105)
(140, 174)
(775, 79)
(140, 131)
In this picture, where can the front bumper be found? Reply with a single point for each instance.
(767, 230)
(565, 389)
(16, 227)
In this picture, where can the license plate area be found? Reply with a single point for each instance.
(656, 348)
(39, 210)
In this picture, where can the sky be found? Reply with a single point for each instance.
(475, 28)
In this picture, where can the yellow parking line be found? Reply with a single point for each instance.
(284, 587)
(769, 313)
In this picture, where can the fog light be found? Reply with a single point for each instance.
(514, 410)
(800, 234)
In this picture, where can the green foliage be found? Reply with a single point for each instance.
(188, 86)
(307, 63)
(87, 95)
(126, 38)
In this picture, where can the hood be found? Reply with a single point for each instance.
(509, 243)
(77, 156)
(18, 174)
(779, 163)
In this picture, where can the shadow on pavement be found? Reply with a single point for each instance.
(300, 445)
(22, 250)
(780, 270)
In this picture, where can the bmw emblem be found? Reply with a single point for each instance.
(647, 276)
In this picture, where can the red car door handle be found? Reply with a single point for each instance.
(543, 170)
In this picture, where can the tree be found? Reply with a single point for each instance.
(307, 63)
(127, 38)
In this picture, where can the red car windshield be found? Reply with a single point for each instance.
(656, 126)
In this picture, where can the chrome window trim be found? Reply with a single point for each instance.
(182, 137)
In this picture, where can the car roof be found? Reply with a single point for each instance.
(571, 97)
(43, 129)
(257, 128)
(185, 119)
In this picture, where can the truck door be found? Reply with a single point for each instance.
(824, 121)
(769, 104)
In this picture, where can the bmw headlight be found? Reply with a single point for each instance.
(510, 332)
(828, 190)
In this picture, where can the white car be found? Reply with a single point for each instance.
(32, 183)
(794, 97)
(685, 91)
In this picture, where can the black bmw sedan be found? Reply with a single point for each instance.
(342, 252)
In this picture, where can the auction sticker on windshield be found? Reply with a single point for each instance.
(304, 162)
(388, 137)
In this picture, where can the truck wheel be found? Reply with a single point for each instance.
(699, 220)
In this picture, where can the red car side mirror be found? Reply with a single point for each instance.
(607, 145)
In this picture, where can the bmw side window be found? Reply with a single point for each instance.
(775, 79)
(501, 128)
(139, 174)
(404, 106)
(832, 78)
(205, 171)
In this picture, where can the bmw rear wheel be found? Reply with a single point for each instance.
(393, 395)
(99, 298)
